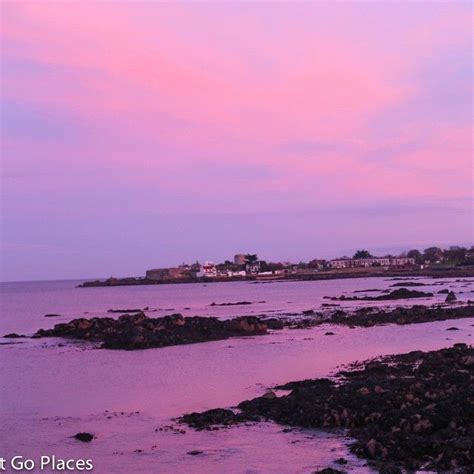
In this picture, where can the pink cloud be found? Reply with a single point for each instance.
(167, 88)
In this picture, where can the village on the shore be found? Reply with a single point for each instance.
(250, 267)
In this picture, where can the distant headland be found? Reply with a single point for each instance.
(433, 261)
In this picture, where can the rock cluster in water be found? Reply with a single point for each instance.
(398, 294)
(84, 437)
(412, 411)
(367, 317)
(138, 331)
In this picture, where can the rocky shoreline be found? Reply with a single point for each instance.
(138, 331)
(368, 317)
(412, 411)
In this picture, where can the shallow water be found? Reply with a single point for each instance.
(23, 305)
(51, 390)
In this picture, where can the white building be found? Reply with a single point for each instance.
(239, 273)
(371, 262)
(208, 270)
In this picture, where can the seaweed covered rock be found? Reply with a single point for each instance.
(412, 411)
(367, 317)
(84, 437)
(398, 294)
(138, 331)
(451, 297)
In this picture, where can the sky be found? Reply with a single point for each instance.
(138, 134)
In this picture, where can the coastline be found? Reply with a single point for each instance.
(315, 341)
(104, 401)
(138, 331)
(433, 272)
(406, 411)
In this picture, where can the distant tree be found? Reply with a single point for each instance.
(272, 266)
(251, 258)
(416, 254)
(433, 254)
(469, 259)
(362, 254)
(455, 254)
(316, 263)
(228, 265)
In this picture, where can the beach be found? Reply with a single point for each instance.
(129, 400)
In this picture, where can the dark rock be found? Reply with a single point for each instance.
(138, 331)
(398, 294)
(451, 297)
(328, 470)
(274, 323)
(52, 315)
(406, 412)
(329, 333)
(194, 452)
(443, 292)
(13, 335)
(370, 290)
(84, 437)
(217, 416)
(453, 328)
(239, 303)
(366, 317)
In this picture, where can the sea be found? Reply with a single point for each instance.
(52, 388)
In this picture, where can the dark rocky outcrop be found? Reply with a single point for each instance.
(210, 418)
(239, 303)
(412, 411)
(84, 437)
(274, 323)
(451, 297)
(370, 290)
(367, 317)
(138, 331)
(408, 283)
(399, 294)
(329, 470)
(373, 316)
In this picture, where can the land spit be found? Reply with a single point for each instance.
(434, 272)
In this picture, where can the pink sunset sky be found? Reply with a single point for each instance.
(137, 135)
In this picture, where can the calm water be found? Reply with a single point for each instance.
(50, 391)
(23, 305)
